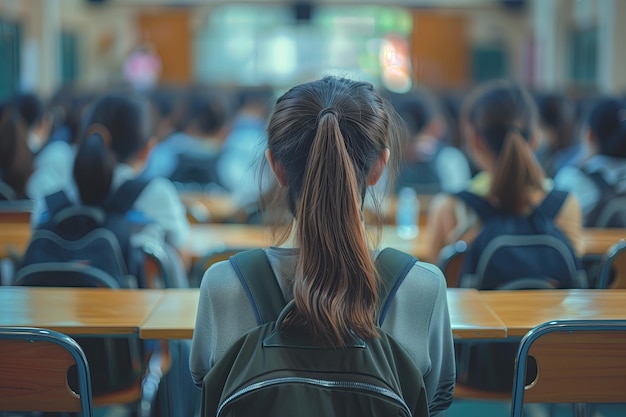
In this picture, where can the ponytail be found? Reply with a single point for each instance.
(335, 289)
(93, 169)
(516, 172)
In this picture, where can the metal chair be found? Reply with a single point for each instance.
(124, 371)
(577, 362)
(36, 372)
(613, 267)
(451, 261)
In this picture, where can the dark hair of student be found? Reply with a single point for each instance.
(205, 111)
(30, 107)
(607, 122)
(504, 115)
(416, 107)
(16, 158)
(117, 127)
(557, 112)
(326, 135)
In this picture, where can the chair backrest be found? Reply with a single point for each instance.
(613, 267)
(201, 265)
(577, 362)
(115, 362)
(451, 262)
(36, 372)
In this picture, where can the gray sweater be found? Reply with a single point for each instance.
(417, 318)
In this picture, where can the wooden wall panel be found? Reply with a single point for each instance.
(169, 31)
(440, 49)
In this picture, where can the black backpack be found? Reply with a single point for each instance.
(94, 240)
(276, 373)
(610, 210)
(510, 249)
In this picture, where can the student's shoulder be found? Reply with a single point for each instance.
(220, 279)
(425, 279)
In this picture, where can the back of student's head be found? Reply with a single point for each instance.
(117, 127)
(557, 114)
(503, 115)
(30, 108)
(16, 159)
(205, 112)
(417, 109)
(324, 138)
(607, 124)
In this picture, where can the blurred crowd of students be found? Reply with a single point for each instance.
(211, 140)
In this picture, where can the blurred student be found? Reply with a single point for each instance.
(559, 145)
(328, 141)
(37, 122)
(242, 153)
(189, 154)
(16, 158)
(25, 175)
(520, 233)
(602, 176)
(500, 125)
(114, 144)
(429, 164)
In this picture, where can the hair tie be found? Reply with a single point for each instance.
(325, 111)
(99, 129)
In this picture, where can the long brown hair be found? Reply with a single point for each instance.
(504, 115)
(327, 135)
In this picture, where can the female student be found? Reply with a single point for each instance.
(519, 233)
(328, 140)
(115, 140)
(500, 126)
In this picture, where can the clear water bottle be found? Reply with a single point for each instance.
(407, 212)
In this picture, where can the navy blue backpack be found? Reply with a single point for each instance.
(78, 240)
(512, 251)
(610, 210)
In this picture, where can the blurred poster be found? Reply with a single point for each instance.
(143, 67)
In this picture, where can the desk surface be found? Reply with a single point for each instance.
(78, 311)
(522, 310)
(175, 315)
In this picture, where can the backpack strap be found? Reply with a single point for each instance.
(124, 197)
(56, 202)
(481, 207)
(258, 280)
(598, 180)
(552, 203)
(392, 266)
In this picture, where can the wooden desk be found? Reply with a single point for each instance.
(598, 240)
(14, 238)
(174, 317)
(77, 311)
(471, 317)
(213, 208)
(520, 311)
(208, 237)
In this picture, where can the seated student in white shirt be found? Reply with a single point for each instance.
(118, 129)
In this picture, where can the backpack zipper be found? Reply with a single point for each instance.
(361, 386)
